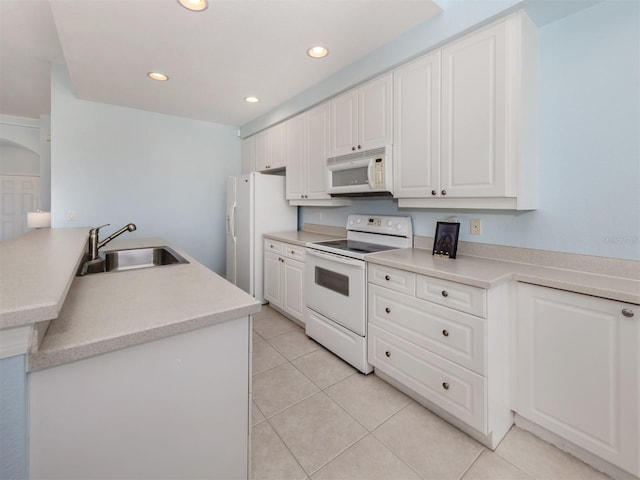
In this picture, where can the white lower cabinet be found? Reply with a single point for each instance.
(447, 343)
(579, 369)
(284, 277)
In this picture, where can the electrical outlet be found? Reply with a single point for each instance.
(476, 226)
(71, 216)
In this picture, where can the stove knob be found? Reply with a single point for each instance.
(390, 223)
(350, 222)
(358, 220)
(399, 226)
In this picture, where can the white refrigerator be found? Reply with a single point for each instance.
(256, 205)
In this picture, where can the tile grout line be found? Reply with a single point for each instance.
(372, 433)
(473, 462)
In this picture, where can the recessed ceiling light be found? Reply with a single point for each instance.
(318, 52)
(251, 99)
(194, 5)
(161, 77)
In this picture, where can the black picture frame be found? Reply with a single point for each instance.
(445, 242)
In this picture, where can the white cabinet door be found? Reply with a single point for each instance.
(249, 154)
(296, 158)
(475, 81)
(362, 118)
(344, 123)
(271, 148)
(278, 141)
(293, 300)
(578, 370)
(273, 278)
(416, 133)
(318, 130)
(263, 150)
(375, 113)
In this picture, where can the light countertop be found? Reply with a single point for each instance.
(108, 311)
(36, 271)
(300, 238)
(486, 273)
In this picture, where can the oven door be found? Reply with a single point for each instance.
(335, 288)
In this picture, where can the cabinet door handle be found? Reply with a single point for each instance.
(388, 310)
(445, 385)
(387, 278)
(445, 333)
(387, 353)
(445, 294)
(293, 252)
(434, 192)
(627, 312)
(359, 147)
(353, 148)
(443, 192)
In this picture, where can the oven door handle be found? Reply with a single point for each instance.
(336, 258)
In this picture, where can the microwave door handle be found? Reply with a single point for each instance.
(370, 175)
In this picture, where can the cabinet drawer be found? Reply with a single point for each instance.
(457, 390)
(454, 335)
(461, 297)
(272, 246)
(398, 280)
(293, 251)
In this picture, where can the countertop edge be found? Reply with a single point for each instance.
(43, 360)
(513, 271)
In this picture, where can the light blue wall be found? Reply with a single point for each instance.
(589, 146)
(13, 419)
(166, 174)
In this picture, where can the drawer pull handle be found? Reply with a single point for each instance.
(293, 252)
(387, 278)
(388, 310)
(445, 385)
(627, 313)
(445, 294)
(387, 353)
(445, 333)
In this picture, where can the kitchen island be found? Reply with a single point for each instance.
(141, 373)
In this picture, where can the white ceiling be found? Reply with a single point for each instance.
(214, 59)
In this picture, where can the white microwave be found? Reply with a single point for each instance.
(361, 173)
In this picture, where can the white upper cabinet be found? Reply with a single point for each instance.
(475, 82)
(296, 151)
(249, 154)
(307, 151)
(362, 118)
(416, 124)
(271, 148)
(466, 121)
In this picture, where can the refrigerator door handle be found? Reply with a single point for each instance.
(231, 219)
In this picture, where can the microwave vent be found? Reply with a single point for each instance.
(374, 152)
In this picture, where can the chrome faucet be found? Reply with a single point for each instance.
(95, 244)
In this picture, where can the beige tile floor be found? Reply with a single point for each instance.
(315, 417)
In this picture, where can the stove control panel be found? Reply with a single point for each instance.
(385, 225)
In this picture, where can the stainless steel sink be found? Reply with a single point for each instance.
(130, 259)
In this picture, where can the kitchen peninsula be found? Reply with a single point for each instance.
(135, 373)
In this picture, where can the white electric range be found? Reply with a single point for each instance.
(336, 283)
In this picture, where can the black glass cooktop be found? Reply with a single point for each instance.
(355, 246)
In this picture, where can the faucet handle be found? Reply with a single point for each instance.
(97, 229)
